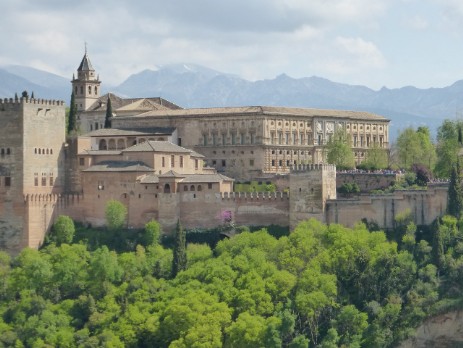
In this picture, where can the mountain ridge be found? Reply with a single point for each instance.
(192, 85)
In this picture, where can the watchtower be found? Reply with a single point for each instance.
(310, 186)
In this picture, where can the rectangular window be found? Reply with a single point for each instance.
(163, 160)
(214, 139)
(272, 137)
(214, 162)
(209, 186)
(273, 163)
(287, 138)
(280, 163)
(7, 180)
(181, 161)
(233, 138)
(355, 141)
(251, 162)
(243, 138)
(253, 138)
(294, 138)
(224, 163)
(172, 161)
(179, 141)
(280, 137)
(81, 161)
(301, 140)
(224, 139)
(44, 179)
(36, 180)
(100, 185)
(196, 164)
(51, 180)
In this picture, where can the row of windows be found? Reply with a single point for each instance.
(100, 187)
(89, 90)
(223, 162)
(172, 162)
(287, 163)
(233, 152)
(119, 144)
(367, 140)
(288, 152)
(233, 139)
(43, 179)
(288, 138)
(41, 151)
(196, 188)
(5, 151)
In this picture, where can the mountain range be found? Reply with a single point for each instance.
(189, 85)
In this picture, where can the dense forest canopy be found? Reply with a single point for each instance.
(324, 286)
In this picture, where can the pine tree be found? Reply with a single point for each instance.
(72, 124)
(455, 194)
(109, 114)
(179, 261)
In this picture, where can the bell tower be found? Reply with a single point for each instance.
(86, 86)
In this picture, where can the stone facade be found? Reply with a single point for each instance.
(248, 142)
(31, 164)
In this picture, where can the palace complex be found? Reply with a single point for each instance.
(167, 163)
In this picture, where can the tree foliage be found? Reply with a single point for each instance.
(115, 213)
(109, 114)
(322, 285)
(455, 194)
(63, 230)
(415, 147)
(180, 261)
(447, 147)
(72, 121)
(339, 150)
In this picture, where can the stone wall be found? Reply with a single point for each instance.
(367, 181)
(425, 205)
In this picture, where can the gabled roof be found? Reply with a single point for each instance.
(157, 146)
(132, 104)
(251, 111)
(172, 174)
(119, 166)
(85, 64)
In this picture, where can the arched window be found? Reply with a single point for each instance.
(185, 188)
(102, 145)
(89, 89)
(47, 151)
(120, 144)
(192, 188)
(51, 151)
(96, 90)
(166, 188)
(112, 144)
(200, 188)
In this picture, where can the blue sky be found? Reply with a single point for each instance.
(392, 43)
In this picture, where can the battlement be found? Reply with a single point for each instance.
(254, 195)
(51, 197)
(312, 167)
(22, 100)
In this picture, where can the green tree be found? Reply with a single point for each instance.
(339, 150)
(455, 194)
(447, 147)
(152, 233)
(63, 230)
(408, 148)
(72, 122)
(109, 114)
(179, 262)
(115, 214)
(428, 149)
(377, 157)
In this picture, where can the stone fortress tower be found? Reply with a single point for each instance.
(310, 186)
(31, 167)
(86, 86)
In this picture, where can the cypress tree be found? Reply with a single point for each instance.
(72, 124)
(16, 97)
(109, 114)
(455, 195)
(179, 261)
(32, 95)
